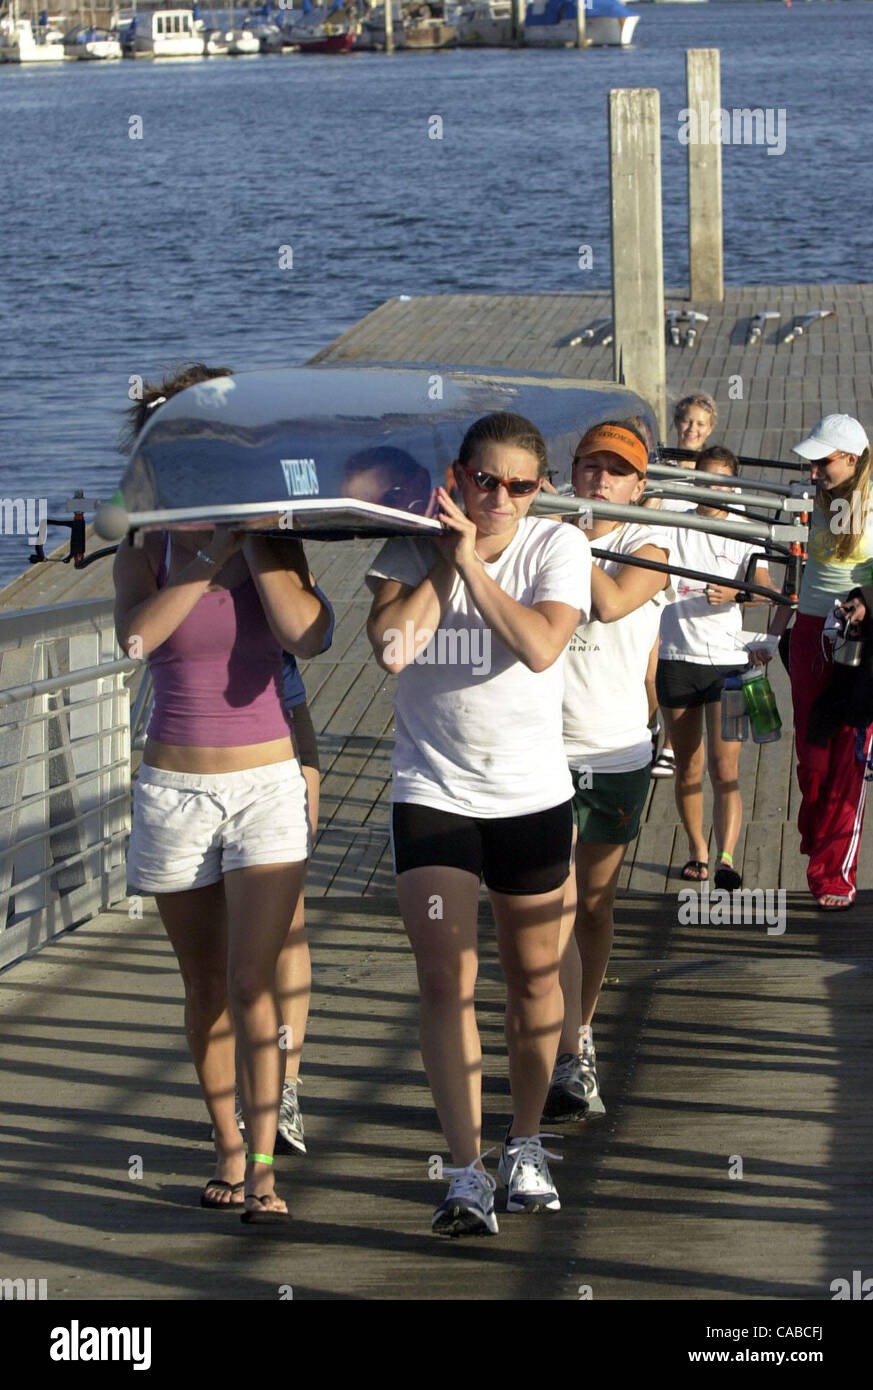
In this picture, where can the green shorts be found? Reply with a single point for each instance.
(607, 806)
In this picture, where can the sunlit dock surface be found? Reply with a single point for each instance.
(725, 1050)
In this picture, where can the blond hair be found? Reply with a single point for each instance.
(846, 540)
(705, 402)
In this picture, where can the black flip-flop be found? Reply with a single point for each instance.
(222, 1186)
(700, 868)
(266, 1216)
(834, 907)
(727, 877)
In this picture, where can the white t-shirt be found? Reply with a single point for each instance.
(477, 732)
(606, 710)
(691, 628)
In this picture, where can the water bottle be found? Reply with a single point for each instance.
(761, 705)
(734, 717)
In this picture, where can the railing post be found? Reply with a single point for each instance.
(703, 96)
(637, 244)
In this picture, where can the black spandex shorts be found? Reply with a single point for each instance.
(514, 854)
(688, 684)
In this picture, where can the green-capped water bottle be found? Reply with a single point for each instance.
(761, 704)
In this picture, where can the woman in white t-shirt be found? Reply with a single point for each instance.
(701, 645)
(607, 742)
(476, 625)
(693, 420)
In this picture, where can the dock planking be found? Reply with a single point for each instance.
(713, 1042)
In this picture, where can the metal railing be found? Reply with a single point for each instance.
(65, 771)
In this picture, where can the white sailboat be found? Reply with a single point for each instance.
(22, 41)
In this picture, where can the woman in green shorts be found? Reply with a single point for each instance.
(607, 741)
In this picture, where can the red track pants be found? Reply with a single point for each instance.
(831, 779)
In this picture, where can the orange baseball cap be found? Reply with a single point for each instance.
(614, 439)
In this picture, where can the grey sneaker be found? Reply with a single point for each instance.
(566, 1099)
(588, 1071)
(468, 1207)
(290, 1129)
(525, 1171)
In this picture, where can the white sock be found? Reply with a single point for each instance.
(585, 1035)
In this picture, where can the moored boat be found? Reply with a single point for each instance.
(163, 33)
(488, 24)
(22, 41)
(326, 30)
(85, 42)
(552, 23)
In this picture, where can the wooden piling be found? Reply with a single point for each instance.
(581, 40)
(518, 13)
(637, 244)
(703, 98)
(389, 26)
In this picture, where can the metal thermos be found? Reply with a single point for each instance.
(761, 705)
(734, 716)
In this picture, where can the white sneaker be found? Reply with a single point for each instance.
(525, 1172)
(468, 1207)
(588, 1073)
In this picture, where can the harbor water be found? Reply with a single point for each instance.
(272, 202)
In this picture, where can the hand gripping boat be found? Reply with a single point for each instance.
(335, 452)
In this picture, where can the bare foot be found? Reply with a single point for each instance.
(834, 902)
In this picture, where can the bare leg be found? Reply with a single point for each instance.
(294, 968)
(195, 921)
(584, 963)
(446, 957)
(260, 901)
(528, 939)
(685, 727)
(724, 773)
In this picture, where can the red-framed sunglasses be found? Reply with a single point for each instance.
(490, 482)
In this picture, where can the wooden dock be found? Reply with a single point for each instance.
(716, 1043)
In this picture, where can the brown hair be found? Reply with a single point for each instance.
(702, 399)
(176, 379)
(502, 427)
(717, 454)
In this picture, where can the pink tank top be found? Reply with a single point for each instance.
(218, 678)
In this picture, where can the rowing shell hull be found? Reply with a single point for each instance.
(334, 452)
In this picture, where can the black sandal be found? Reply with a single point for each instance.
(727, 877)
(695, 871)
(266, 1216)
(222, 1186)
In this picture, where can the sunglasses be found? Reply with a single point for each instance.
(490, 482)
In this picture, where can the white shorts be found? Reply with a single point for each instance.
(189, 828)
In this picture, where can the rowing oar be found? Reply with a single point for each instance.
(690, 477)
(770, 594)
(666, 451)
(552, 504)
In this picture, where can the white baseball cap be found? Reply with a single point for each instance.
(834, 433)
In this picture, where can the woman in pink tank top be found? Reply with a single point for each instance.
(220, 831)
